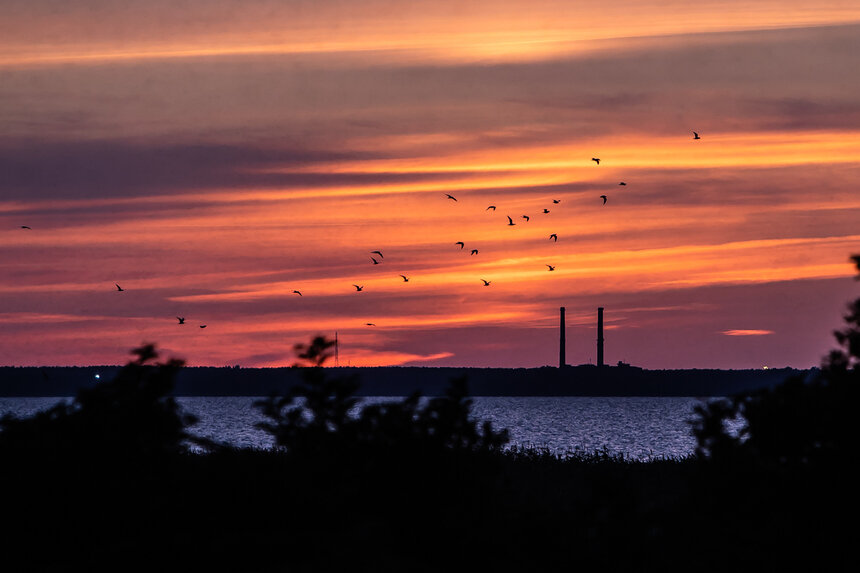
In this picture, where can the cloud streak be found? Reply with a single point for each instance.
(747, 332)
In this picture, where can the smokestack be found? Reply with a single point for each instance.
(600, 336)
(561, 339)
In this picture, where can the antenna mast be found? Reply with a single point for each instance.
(336, 358)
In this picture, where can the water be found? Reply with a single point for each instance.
(638, 428)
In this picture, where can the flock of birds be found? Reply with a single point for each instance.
(359, 288)
(553, 237)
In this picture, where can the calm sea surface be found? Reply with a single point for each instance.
(635, 427)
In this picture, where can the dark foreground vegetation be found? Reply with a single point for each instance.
(108, 482)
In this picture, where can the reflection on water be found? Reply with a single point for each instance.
(635, 427)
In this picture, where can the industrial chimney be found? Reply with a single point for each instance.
(599, 336)
(561, 343)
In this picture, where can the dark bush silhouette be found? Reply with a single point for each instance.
(132, 416)
(317, 417)
(797, 422)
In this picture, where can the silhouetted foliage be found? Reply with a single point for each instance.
(131, 416)
(710, 429)
(797, 422)
(315, 413)
(318, 416)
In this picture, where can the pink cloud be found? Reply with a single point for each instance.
(747, 332)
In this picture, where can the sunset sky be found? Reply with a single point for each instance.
(211, 157)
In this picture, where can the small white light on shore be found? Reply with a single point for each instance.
(765, 368)
(98, 376)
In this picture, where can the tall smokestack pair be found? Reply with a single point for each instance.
(561, 341)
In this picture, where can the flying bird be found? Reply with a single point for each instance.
(493, 207)
(474, 252)
(202, 326)
(375, 262)
(696, 135)
(180, 319)
(119, 288)
(604, 199)
(377, 253)
(358, 288)
(510, 221)
(24, 227)
(405, 279)
(546, 210)
(526, 217)
(552, 268)
(622, 183)
(461, 243)
(486, 283)
(369, 324)
(554, 237)
(596, 160)
(297, 292)
(450, 197)
(556, 201)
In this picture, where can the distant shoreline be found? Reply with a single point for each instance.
(54, 381)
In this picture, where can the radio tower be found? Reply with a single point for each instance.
(336, 358)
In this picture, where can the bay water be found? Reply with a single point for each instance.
(635, 427)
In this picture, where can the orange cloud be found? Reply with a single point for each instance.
(484, 31)
(747, 332)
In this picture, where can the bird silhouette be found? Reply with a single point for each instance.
(474, 252)
(556, 201)
(486, 283)
(493, 207)
(405, 279)
(180, 319)
(461, 243)
(119, 288)
(358, 288)
(375, 262)
(526, 217)
(622, 183)
(24, 227)
(297, 292)
(377, 253)
(554, 237)
(596, 160)
(696, 135)
(202, 326)
(369, 324)
(450, 197)
(546, 210)
(552, 268)
(510, 221)
(604, 199)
